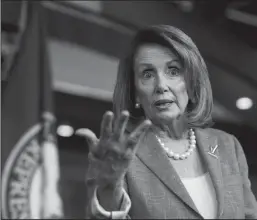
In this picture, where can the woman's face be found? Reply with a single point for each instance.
(159, 81)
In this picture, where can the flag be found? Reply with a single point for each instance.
(29, 159)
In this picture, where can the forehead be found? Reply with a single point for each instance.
(154, 54)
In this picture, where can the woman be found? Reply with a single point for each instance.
(160, 159)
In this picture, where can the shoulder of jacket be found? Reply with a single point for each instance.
(218, 132)
(221, 135)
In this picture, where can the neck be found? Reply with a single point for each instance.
(175, 129)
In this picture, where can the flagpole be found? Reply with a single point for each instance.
(51, 202)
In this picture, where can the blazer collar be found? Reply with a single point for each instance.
(209, 148)
(157, 161)
(152, 155)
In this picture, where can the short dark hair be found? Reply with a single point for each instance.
(200, 105)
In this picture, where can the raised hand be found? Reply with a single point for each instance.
(111, 154)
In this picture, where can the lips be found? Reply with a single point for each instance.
(163, 102)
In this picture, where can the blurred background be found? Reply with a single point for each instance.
(86, 40)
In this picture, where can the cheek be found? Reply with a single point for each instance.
(144, 91)
(181, 93)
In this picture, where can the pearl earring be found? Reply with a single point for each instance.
(137, 105)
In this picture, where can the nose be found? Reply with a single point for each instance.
(161, 84)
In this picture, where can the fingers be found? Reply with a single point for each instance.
(135, 135)
(90, 137)
(106, 125)
(121, 124)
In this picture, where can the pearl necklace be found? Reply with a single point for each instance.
(192, 146)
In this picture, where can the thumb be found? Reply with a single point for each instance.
(89, 136)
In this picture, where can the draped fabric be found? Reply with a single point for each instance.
(29, 159)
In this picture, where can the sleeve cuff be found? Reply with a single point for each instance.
(99, 212)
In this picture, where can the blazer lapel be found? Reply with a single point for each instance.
(152, 155)
(209, 149)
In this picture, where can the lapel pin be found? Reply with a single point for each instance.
(212, 151)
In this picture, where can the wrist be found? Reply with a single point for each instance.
(106, 210)
(112, 186)
(109, 190)
(110, 196)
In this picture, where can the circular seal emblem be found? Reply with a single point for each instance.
(21, 179)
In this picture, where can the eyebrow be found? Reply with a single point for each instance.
(173, 61)
(142, 66)
(150, 65)
(145, 65)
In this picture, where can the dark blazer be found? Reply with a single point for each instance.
(156, 190)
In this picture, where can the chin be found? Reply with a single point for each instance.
(167, 116)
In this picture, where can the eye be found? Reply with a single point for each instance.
(173, 71)
(147, 74)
